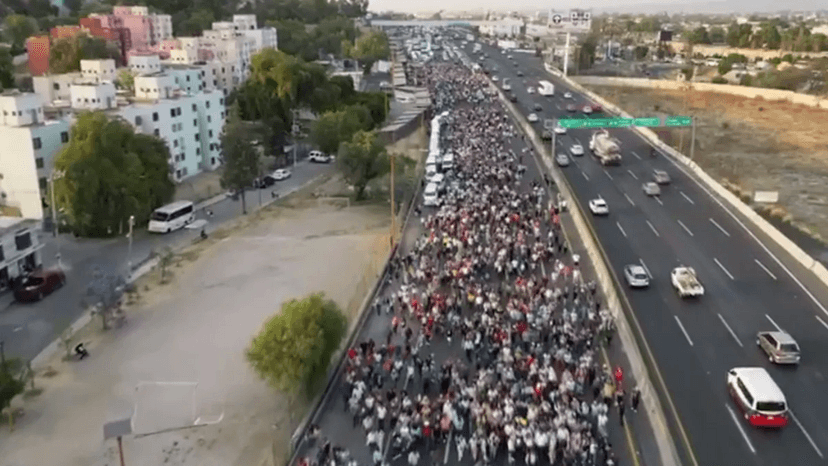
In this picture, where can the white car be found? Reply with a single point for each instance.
(636, 276)
(651, 188)
(598, 207)
(495, 79)
(431, 197)
(567, 95)
(577, 149)
(530, 90)
(560, 129)
(562, 160)
(533, 118)
(281, 174)
(587, 110)
(318, 157)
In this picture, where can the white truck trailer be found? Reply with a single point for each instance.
(605, 148)
(686, 283)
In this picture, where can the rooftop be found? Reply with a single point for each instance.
(13, 224)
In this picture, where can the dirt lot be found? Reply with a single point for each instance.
(751, 144)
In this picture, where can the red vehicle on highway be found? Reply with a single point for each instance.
(38, 284)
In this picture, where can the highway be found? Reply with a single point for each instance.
(749, 288)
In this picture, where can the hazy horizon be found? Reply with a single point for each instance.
(622, 6)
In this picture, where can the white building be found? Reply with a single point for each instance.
(538, 30)
(98, 70)
(505, 27)
(20, 248)
(145, 64)
(56, 87)
(30, 143)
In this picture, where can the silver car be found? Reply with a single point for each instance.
(636, 276)
(661, 177)
(562, 160)
(780, 347)
(651, 189)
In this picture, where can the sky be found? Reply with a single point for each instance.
(625, 6)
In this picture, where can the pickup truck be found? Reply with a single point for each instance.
(686, 283)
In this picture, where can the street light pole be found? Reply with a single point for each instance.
(129, 251)
(393, 215)
(52, 177)
(295, 133)
(692, 138)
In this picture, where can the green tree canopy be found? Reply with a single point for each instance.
(700, 36)
(739, 35)
(334, 128)
(241, 159)
(368, 48)
(717, 35)
(66, 53)
(18, 28)
(196, 22)
(361, 160)
(6, 70)
(293, 350)
(110, 173)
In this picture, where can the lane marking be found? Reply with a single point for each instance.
(622, 230)
(632, 174)
(628, 198)
(741, 430)
(732, 333)
(578, 141)
(723, 268)
(686, 197)
(765, 269)
(645, 268)
(683, 331)
(750, 233)
(774, 323)
(585, 176)
(652, 228)
(658, 199)
(807, 435)
(685, 228)
(636, 155)
(720, 228)
(608, 175)
(822, 322)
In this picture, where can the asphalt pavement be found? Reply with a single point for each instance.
(751, 286)
(28, 328)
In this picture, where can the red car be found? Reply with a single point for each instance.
(38, 284)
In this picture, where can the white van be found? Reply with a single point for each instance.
(758, 397)
(448, 161)
(430, 195)
(171, 217)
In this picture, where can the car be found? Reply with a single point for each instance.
(495, 78)
(661, 177)
(571, 108)
(513, 97)
(577, 149)
(533, 118)
(318, 157)
(281, 174)
(598, 207)
(538, 107)
(636, 276)
(587, 109)
(530, 90)
(38, 284)
(567, 95)
(779, 347)
(385, 85)
(560, 129)
(651, 189)
(516, 64)
(264, 182)
(562, 160)
(520, 74)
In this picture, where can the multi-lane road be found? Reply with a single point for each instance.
(750, 287)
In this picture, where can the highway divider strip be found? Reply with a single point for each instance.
(632, 341)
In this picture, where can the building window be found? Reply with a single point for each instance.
(64, 136)
(175, 143)
(154, 116)
(209, 119)
(44, 183)
(177, 111)
(23, 240)
(212, 160)
(172, 112)
(138, 121)
(56, 86)
(156, 132)
(188, 78)
(39, 162)
(207, 104)
(182, 156)
(195, 122)
(210, 133)
(36, 143)
(221, 101)
(198, 151)
(178, 173)
(195, 108)
(197, 137)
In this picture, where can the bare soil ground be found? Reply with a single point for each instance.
(749, 144)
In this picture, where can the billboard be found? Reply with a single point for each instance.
(664, 36)
(570, 21)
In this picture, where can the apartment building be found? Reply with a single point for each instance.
(30, 143)
(146, 30)
(20, 248)
(55, 87)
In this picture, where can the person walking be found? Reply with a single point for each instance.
(636, 398)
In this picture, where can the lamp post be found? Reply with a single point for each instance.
(129, 251)
(55, 175)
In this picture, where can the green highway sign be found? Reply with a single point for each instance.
(594, 123)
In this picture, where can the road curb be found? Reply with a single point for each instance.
(608, 284)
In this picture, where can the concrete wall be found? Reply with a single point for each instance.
(744, 91)
(723, 50)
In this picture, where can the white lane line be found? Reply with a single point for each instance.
(585, 176)
(658, 199)
(685, 228)
(628, 198)
(652, 228)
(807, 435)
(774, 323)
(622, 230)
(720, 228)
(684, 331)
(632, 174)
(636, 155)
(765, 269)
(732, 333)
(645, 268)
(755, 238)
(722, 267)
(578, 141)
(824, 324)
(741, 430)
(608, 175)
(685, 196)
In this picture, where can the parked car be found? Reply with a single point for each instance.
(38, 284)
(265, 182)
(281, 174)
(318, 157)
(779, 347)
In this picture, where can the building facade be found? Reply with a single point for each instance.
(20, 248)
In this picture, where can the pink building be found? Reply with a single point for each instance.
(146, 31)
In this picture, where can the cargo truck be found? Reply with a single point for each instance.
(605, 148)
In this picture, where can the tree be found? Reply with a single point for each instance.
(293, 350)
(369, 48)
(18, 28)
(586, 56)
(700, 36)
(334, 128)
(74, 6)
(6, 70)
(361, 160)
(10, 387)
(110, 173)
(126, 80)
(293, 37)
(67, 52)
(104, 294)
(196, 22)
(717, 35)
(241, 160)
(640, 52)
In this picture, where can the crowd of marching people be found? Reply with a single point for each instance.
(492, 288)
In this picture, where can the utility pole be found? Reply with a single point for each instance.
(692, 137)
(566, 54)
(129, 251)
(295, 133)
(52, 177)
(393, 213)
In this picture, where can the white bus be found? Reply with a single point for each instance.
(546, 88)
(171, 217)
